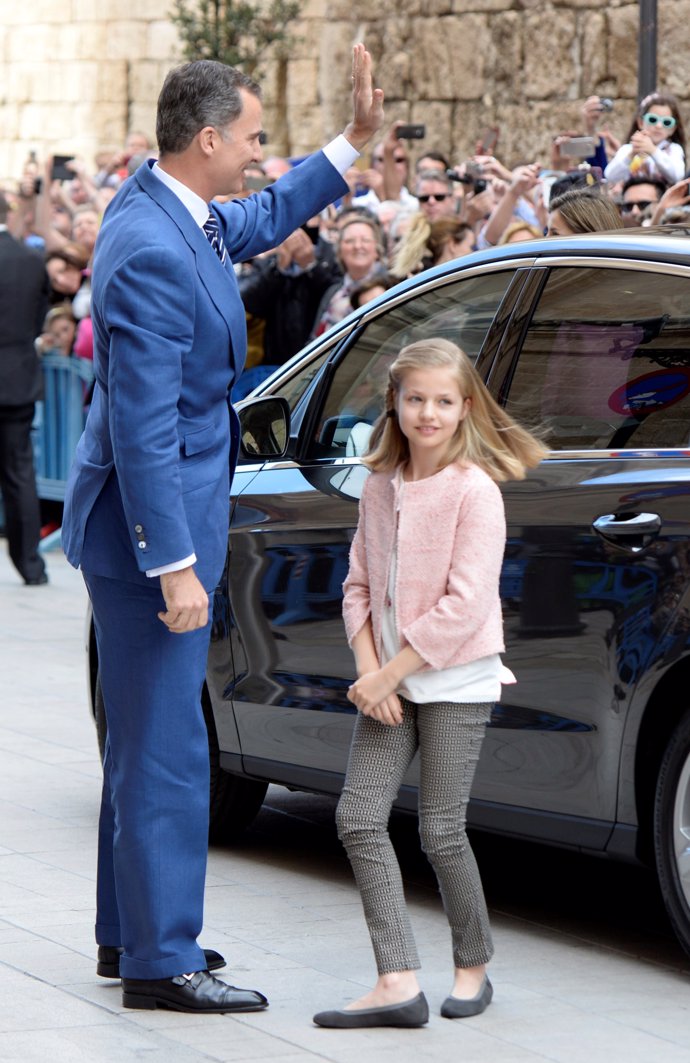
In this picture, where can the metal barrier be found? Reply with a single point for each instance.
(58, 424)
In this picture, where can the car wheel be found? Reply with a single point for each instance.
(672, 830)
(235, 801)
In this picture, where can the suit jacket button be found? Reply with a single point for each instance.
(142, 545)
(138, 528)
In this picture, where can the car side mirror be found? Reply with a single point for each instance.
(264, 428)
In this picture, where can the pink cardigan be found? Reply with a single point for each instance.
(451, 539)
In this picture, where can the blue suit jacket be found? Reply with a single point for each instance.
(150, 480)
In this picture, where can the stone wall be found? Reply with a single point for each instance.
(76, 74)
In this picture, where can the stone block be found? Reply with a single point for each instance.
(593, 50)
(449, 57)
(460, 7)
(111, 82)
(36, 119)
(9, 122)
(673, 65)
(306, 36)
(302, 84)
(622, 33)
(27, 41)
(142, 115)
(505, 51)
(105, 121)
(468, 120)
(35, 13)
(309, 132)
(437, 116)
(145, 80)
(163, 42)
(126, 40)
(550, 56)
(333, 76)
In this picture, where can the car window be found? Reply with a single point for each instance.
(461, 312)
(295, 386)
(605, 363)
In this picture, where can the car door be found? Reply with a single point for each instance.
(293, 525)
(597, 537)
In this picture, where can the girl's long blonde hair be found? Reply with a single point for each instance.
(487, 436)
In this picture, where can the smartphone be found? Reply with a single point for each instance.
(580, 147)
(411, 132)
(487, 144)
(60, 171)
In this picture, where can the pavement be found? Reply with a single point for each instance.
(282, 907)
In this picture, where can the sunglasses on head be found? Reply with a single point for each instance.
(438, 197)
(665, 120)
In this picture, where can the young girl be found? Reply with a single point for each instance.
(423, 617)
(656, 143)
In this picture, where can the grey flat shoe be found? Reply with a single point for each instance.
(413, 1012)
(455, 1008)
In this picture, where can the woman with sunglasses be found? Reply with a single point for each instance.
(655, 144)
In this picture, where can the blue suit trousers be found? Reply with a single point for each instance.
(153, 830)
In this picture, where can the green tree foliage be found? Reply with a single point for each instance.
(236, 32)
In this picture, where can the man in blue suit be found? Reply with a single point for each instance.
(146, 512)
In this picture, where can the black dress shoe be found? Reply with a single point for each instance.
(413, 1012)
(36, 581)
(108, 965)
(456, 1008)
(201, 992)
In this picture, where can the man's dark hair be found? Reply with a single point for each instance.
(203, 93)
(632, 182)
(4, 208)
(569, 181)
(436, 156)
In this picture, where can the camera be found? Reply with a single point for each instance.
(61, 171)
(606, 103)
(411, 132)
(477, 184)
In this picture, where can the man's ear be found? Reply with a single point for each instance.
(206, 138)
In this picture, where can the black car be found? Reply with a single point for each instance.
(588, 340)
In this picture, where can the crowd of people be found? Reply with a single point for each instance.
(401, 215)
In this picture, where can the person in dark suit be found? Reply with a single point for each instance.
(23, 302)
(147, 505)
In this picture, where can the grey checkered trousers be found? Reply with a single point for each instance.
(449, 737)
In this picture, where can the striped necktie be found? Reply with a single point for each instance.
(213, 236)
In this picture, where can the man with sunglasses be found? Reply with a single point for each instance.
(639, 197)
(435, 195)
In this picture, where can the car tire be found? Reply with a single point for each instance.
(235, 801)
(672, 830)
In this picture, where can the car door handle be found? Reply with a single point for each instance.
(641, 526)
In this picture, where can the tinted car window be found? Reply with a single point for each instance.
(294, 387)
(461, 312)
(606, 361)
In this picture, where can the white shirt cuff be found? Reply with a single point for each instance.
(174, 566)
(341, 154)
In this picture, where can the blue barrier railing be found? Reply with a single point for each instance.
(59, 421)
